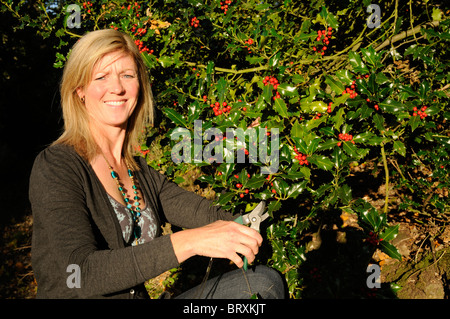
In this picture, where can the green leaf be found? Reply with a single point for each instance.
(166, 61)
(321, 162)
(295, 189)
(273, 61)
(345, 194)
(369, 215)
(356, 63)
(301, 145)
(424, 89)
(390, 233)
(256, 182)
(280, 186)
(400, 148)
(273, 207)
(286, 90)
(392, 106)
(297, 130)
(363, 137)
(226, 169)
(379, 122)
(371, 57)
(390, 250)
(281, 108)
(338, 119)
(176, 117)
(350, 149)
(225, 198)
(316, 106)
(336, 86)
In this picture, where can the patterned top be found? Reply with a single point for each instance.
(148, 223)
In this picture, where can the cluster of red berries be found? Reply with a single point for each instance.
(142, 47)
(136, 6)
(268, 178)
(420, 112)
(351, 90)
(329, 107)
(139, 31)
(346, 138)
(324, 36)
(86, 5)
(249, 42)
(271, 80)
(300, 157)
(144, 153)
(224, 6)
(217, 110)
(373, 239)
(376, 107)
(239, 186)
(194, 22)
(318, 115)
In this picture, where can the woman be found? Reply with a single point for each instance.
(97, 208)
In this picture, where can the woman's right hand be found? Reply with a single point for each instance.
(220, 239)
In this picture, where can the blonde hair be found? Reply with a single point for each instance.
(85, 54)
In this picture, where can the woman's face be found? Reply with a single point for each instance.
(112, 94)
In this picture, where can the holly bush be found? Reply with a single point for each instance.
(343, 87)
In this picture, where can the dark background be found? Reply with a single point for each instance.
(30, 116)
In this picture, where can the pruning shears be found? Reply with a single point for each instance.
(253, 219)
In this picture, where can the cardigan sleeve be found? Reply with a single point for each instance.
(72, 226)
(181, 207)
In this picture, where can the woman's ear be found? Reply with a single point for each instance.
(80, 93)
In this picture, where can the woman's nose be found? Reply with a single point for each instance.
(116, 85)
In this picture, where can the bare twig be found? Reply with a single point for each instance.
(405, 34)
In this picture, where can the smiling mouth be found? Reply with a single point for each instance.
(115, 103)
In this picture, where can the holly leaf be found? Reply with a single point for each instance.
(400, 148)
(176, 117)
(357, 64)
(336, 86)
(225, 198)
(392, 106)
(321, 162)
(281, 108)
(390, 233)
(390, 250)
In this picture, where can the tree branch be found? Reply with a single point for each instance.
(405, 34)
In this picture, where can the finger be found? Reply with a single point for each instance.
(251, 233)
(236, 260)
(247, 252)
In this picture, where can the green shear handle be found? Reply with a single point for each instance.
(254, 219)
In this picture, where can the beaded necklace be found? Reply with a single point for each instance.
(136, 210)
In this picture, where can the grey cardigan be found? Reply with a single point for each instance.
(75, 224)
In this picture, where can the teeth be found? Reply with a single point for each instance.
(115, 103)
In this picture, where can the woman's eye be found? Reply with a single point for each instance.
(99, 78)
